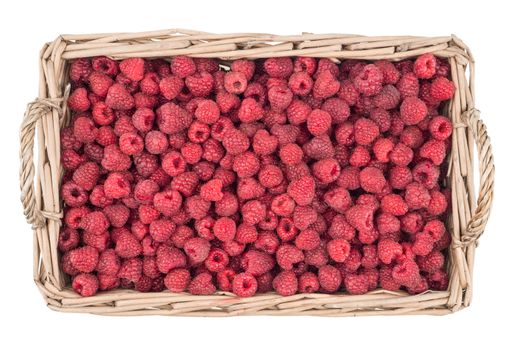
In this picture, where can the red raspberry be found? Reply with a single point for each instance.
(319, 147)
(183, 66)
(131, 144)
(249, 188)
(297, 112)
(307, 240)
(300, 83)
(117, 214)
(412, 222)
(279, 67)
(143, 119)
(308, 283)
(68, 239)
(399, 177)
(105, 65)
(217, 260)
(161, 230)
(207, 112)
(197, 250)
(108, 263)
(283, 205)
(244, 66)
(173, 163)
(340, 228)
(369, 81)
(285, 283)
(80, 69)
(435, 228)
(235, 141)
(169, 257)
(73, 194)
(212, 190)
(213, 151)
(401, 155)
(365, 131)
(246, 164)
(131, 270)
(426, 174)
(244, 285)
(73, 216)
(442, 89)
(349, 178)
(114, 159)
(435, 150)
(197, 207)
(119, 98)
(423, 243)
(372, 180)
(361, 217)
(185, 183)
(338, 249)
(325, 85)
(390, 73)
(382, 149)
(150, 84)
(406, 273)
(253, 212)
(167, 202)
(360, 157)
(202, 284)
(257, 263)
(94, 222)
(326, 170)
(356, 284)
(291, 154)
(156, 142)
(286, 229)
(279, 98)
(438, 203)
(394, 204)
(413, 110)
(329, 278)
(106, 136)
(128, 246)
(288, 255)
(85, 284)
(438, 280)
(172, 118)
(132, 68)
(84, 259)
(386, 280)
(270, 176)
(84, 129)
(224, 229)
(411, 137)
(337, 108)
(225, 279)
(303, 217)
(440, 127)
(264, 143)
(338, 199)
(78, 101)
(425, 66)
(388, 250)
(302, 190)
(305, 64)
(432, 262)
(200, 84)
(388, 98)
(417, 196)
(235, 82)
(170, 86)
(318, 122)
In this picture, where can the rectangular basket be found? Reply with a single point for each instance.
(48, 114)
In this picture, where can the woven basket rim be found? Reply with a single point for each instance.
(46, 115)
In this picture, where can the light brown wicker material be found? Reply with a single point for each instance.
(40, 190)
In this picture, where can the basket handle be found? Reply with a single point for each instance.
(35, 110)
(477, 223)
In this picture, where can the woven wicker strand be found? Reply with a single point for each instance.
(40, 189)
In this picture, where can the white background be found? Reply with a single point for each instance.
(490, 30)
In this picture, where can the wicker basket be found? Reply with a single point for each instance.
(40, 189)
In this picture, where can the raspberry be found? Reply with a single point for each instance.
(360, 216)
(438, 280)
(106, 136)
(202, 284)
(94, 222)
(183, 66)
(114, 159)
(173, 163)
(73, 216)
(117, 214)
(85, 284)
(394, 204)
(128, 246)
(80, 69)
(78, 100)
(171, 86)
(440, 127)
(442, 89)
(132, 68)
(401, 155)
(417, 196)
(308, 283)
(270, 176)
(435, 150)
(382, 149)
(246, 164)
(207, 112)
(303, 217)
(235, 142)
(99, 83)
(329, 278)
(73, 194)
(288, 255)
(131, 144)
(325, 85)
(235, 82)
(423, 243)
(197, 250)
(338, 199)
(390, 73)
(84, 259)
(197, 207)
(307, 240)
(388, 98)
(386, 280)
(84, 130)
(399, 177)
(349, 178)
(326, 170)
(338, 249)
(372, 180)
(435, 228)
(150, 84)
(119, 98)
(108, 263)
(425, 66)
(319, 147)
(412, 137)
(169, 257)
(264, 143)
(283, 205)
(279, 67)
(212, 151)
(438, 203)
(161, 230)
(432, 262)
(369, 81)
(244, 285)
(360, 157)
(253, 212)
(156, 142)
(318, 122)
(105, 65)
(217, 260)
(285, 283)
(291, 154)
(365, 131)
(412, 110)
(68, 239)
(224, 229)
(356, 284)
(143, 119)
(145, 190)
(301, 83)
(302, 190)
(200, 84)
(131, 270)
(426, 174)
(172, 118)
(388, 250)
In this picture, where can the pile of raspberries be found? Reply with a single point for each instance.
(293, 175)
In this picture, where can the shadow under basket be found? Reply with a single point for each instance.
(48, 114)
